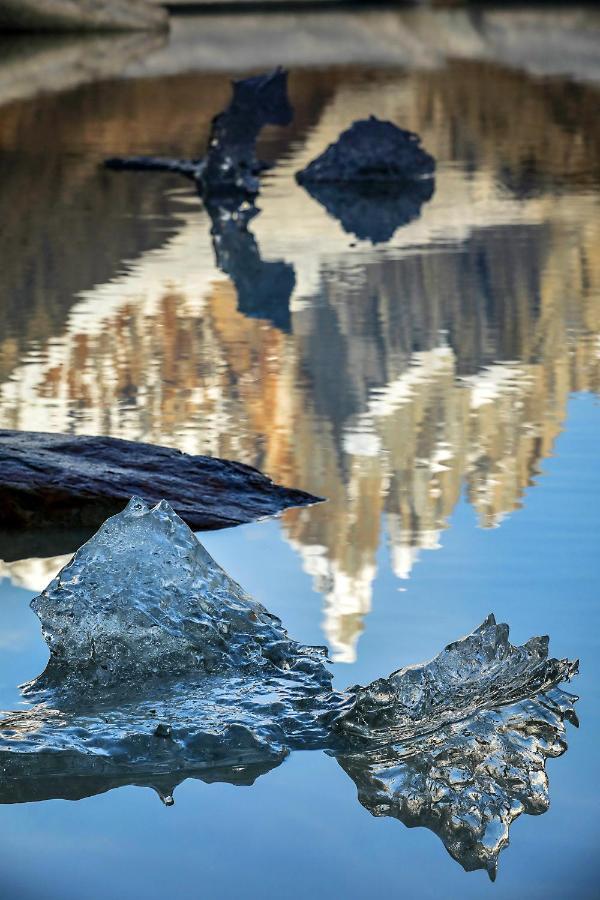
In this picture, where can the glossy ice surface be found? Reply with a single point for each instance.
(161, 666)
(439, 387)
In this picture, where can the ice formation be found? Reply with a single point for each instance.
(143, 598)
(162, 668)
(459, 744)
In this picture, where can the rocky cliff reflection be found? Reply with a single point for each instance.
(440, 360)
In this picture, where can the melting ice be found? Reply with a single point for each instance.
(161, 668)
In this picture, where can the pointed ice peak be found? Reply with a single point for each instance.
(143, 597)
(481, 670)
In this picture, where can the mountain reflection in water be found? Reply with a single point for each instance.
(395, 376)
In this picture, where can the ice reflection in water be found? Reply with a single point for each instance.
(393, 379)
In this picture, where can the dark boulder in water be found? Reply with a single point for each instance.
(371, 151)
(60, 481)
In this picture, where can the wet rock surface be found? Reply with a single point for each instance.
(371, 151)
(162, 667)
(53, 481)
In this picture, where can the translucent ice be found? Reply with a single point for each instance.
(162, 667)
(459, 745)
(144, 598)
(482, 670)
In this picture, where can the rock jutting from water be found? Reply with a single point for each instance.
(230, 165)
(161, 667)
(55, 488)
(374, 179)
(371, 151)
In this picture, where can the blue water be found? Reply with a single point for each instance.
(430, 386)
(299, 831)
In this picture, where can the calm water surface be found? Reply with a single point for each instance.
(440, 387)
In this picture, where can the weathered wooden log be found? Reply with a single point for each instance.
(57, 482)
(81, 15)
(230, 166)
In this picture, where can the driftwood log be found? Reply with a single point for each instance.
(55, 490)
(230, 165)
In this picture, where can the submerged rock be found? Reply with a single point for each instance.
(371, 151)
(230, 165)
(161, 667)
(54, 481)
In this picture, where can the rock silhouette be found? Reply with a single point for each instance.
(371, 151)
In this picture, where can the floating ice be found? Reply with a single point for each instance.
(162, 668)
(143, 598)
(459, 745)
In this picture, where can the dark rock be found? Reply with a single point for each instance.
(163, 731)
(230, 164)
(63, 482)
(371, 151)
(227, 179)
(373, 212)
